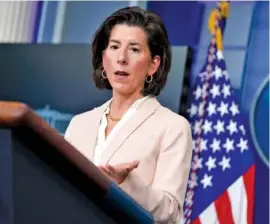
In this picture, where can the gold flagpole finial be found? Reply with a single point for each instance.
(218, 14)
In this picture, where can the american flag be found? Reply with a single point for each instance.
(221, 182)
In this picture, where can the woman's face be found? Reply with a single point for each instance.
(127, 59)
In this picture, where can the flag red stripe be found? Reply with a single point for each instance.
(196, 221)
(224, 209)
(249, 179)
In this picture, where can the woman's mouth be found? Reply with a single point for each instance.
(121, 75)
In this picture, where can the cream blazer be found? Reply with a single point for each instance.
(160, 139)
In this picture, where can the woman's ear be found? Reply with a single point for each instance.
(154, 65)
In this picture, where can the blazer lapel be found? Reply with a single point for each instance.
(145, 111)
(93, 124)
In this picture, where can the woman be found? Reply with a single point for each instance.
(139, 144)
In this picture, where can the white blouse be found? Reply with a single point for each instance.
(102, 141)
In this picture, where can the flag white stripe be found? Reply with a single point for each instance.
(238, 198)
(209, 215)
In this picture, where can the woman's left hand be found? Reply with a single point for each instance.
(118, 173)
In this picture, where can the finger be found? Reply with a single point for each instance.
(107, 173)
(110, 168)
(129, 169)
(135, 163)
(112, 171)
(117, 172)
(100, 168)
(103, 169)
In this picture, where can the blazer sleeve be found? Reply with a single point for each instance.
(165, 197)
(70, 127)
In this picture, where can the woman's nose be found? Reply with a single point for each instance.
(122, 57)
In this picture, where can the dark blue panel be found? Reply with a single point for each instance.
(261, 117)
(256, 73)
(182, 19)
(6, 205)
(118, 198)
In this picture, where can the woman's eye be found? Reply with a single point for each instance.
(136, 50)
(114, 47)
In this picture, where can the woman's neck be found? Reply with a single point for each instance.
(120, 103)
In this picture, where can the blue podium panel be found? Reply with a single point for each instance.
(117, 197)
(6, 204)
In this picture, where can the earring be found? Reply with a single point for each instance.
(103, 74)
(147, 80)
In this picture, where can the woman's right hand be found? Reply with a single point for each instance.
(119, 173)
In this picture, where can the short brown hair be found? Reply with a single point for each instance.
(158, 44)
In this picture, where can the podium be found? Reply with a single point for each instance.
(45, 180)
